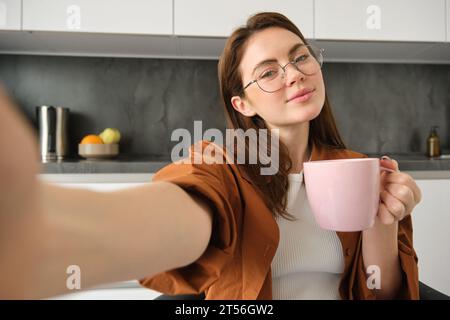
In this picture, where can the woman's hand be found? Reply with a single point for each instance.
(399, 193)
(19, 162)
(20, 223)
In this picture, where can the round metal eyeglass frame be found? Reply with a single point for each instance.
(319, 59)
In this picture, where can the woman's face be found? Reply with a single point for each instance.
(278, 108)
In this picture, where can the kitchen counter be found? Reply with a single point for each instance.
(418, 161)
(121, 164)
(418, 165)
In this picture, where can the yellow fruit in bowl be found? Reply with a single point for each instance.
(91, 139)
(110, 136)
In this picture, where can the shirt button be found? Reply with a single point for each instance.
(348, 252)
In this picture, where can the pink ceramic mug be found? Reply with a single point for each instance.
(344, 194)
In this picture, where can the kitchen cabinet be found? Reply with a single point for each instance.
(448, 20)
(378, 31)
(380, 20)
(10, 14)
(431, 224)
(99, 16)
(100, 186)
(219, 18)
(126, 290)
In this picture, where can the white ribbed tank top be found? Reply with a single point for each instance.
(309, 261)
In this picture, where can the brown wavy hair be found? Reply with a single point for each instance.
(322, 130)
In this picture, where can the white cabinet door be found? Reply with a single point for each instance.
(219, 18)
(398, 20)
(10, 14)
(104, 16)
(431, 224)
(448, 20)
(101, 187)
(126, 290)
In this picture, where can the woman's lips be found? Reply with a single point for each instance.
(303, 98)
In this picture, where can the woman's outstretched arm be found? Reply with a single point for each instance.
(114, 236)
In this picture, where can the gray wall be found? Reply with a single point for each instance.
(379, 108)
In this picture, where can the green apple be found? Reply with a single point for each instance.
(110, 135)
(118, 135)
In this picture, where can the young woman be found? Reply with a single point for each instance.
(222, 229)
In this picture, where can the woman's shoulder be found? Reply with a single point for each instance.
(353, 154)
(201, 157)
(204, 152)
(340, 153)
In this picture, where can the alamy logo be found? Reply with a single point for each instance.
(73, 281)
(374, 279)
(373, 21)
(73, 17)
(258, 147)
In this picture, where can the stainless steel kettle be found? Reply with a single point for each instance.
(53, 132)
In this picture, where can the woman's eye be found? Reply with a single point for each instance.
(268, 74)
(301, 58)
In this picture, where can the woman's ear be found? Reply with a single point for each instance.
(242, 106)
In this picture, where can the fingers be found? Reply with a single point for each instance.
(402, 194)
(18, 140)
(406, 180)
(399, 177)
(393, 205)
(5, 99)
(399, 194)
(384, 215)
(389, 163)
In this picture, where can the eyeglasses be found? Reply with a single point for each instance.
(271, 76)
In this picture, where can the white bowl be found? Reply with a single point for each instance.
(98, 151)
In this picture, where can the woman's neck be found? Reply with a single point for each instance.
(304, 154)
(296, 140)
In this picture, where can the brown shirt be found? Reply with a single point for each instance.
(245, 236)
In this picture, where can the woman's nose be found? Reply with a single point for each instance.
(293, 75)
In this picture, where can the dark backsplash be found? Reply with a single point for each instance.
(379, 108)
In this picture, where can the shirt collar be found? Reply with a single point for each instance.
(317, 153)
